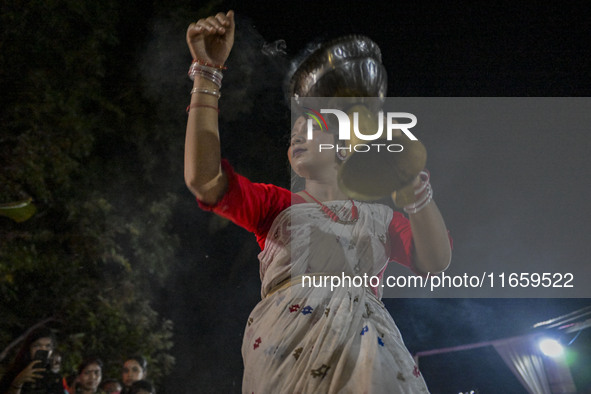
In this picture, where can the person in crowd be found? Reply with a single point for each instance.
(111, 386)
(55, 362)
(142, 387)
(134, 368)
(90, 374)
(55, 366)
(30, 373)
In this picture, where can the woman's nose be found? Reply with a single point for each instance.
(297, 139)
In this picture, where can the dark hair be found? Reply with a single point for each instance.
(23, 357)
(88, 361)
(141, 385)
(110, 380)
(140, 360)
(105, 382)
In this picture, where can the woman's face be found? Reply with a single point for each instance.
(90, 378)
(311, 158)
(41, 344)
(55, 363)
(132, 372)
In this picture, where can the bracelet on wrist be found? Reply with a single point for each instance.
(215, 93)
(423, 193)
(207, 64)
(207, 72)
(197, 105)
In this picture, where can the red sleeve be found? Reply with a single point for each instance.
(252, 206)
(401, 243)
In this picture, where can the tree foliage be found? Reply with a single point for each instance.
(92, 129)
(79, 137)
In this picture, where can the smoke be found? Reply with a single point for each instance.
(215, 260)
(275, 48)
(163, 65)
(256, 68)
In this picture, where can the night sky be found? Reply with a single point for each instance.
(513, 195)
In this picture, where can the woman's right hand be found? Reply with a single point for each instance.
(29, 374)
(211, 39)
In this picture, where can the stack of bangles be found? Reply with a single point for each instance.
(423, 194)
(210, 72)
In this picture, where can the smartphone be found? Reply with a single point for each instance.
(43, 356)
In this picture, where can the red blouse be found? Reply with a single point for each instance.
(254, 207)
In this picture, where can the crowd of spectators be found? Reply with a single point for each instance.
(37, 370)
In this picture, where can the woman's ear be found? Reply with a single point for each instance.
(341, 154)
(341, 149)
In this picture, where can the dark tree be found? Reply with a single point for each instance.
(79, 138)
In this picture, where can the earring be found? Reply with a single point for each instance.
(341, 154)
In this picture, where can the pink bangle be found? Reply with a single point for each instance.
(204, 63)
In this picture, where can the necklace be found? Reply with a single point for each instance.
(334, 215)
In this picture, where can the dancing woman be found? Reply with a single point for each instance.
(302, 339)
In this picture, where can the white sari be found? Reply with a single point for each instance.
(307, 339)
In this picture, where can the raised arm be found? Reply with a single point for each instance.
(210, 41)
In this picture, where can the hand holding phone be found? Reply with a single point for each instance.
(31, 374)
(43, 357)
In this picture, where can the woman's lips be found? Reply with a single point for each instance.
(297, 151)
